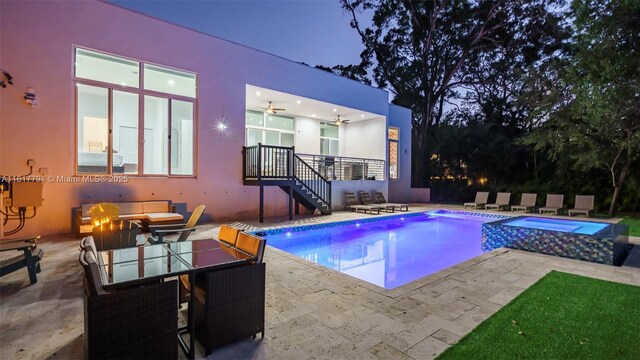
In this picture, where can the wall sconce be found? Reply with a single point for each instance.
(30, 97)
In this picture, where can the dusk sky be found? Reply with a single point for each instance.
(316, 32)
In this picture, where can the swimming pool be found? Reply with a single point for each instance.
(570, 226)
(388, 252)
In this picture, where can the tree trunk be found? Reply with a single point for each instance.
(618, 188)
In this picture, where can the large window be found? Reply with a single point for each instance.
(133, 118)
(329, 139)
(394, 136)
(268, 129)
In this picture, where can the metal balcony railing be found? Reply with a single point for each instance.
(346, 168)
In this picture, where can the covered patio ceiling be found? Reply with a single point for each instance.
(257, 98)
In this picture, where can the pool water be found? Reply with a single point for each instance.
(388, 253)
(570, 226)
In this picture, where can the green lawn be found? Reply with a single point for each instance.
(562, 316)
(634, 226)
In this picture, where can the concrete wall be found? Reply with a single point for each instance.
(400, 190)
(36, 45)
(338, 189)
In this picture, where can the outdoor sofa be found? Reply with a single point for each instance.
(147, 212)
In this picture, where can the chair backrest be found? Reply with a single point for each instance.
(117, 234)
(193, 220)
(482, 197)
(88, 244)
(251, 244)
(528, 199)
(92, 273)
(378, 197)
(365, 197)
(503, 198)
(584, 202)
(103, 213)
(555, 200)
(228, 234)
(350, 199)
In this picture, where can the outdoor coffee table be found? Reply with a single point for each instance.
(121, 268)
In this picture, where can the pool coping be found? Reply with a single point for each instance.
(417, 283)
(295, 228)
(412, 285)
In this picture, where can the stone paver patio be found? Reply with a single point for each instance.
(312, 312)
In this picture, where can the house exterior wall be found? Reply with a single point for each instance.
(36, 45)
(400, 190)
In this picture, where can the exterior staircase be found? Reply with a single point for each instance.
(267, 165)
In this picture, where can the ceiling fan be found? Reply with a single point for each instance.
(341, 121)
(272, 109)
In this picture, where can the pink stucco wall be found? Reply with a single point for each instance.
(36, 46)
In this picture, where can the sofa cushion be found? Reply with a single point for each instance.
(155, 207)
(133, 217)
(158, 217)
(130, 208)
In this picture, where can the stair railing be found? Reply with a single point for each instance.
(269, 162)
(318, 185)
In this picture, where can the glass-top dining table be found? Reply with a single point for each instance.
(133, 266)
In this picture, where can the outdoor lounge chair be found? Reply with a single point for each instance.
(554, 204)
(502, 202)
(482, 198)
(583, 205)
(366, 200)
(352, 203)
(380, 200)
(159, 231)
(527, 202)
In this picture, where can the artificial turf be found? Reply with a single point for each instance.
(562, 316)
(634, 226)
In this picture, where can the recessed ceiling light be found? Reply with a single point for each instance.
(361, 115)
(123, 83)
(171, 82)
(314, 115)
(258, 93)
(298, 101)
(334, 109)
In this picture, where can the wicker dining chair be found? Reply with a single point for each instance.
(117, 323)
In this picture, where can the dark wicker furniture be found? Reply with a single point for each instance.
(231, 306)
(139, 322)
(117, 234)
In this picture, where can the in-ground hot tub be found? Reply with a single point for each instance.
(583, 240)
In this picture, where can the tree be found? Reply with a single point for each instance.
(423, 51)
(600, 125)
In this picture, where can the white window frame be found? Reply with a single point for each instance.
(397, 142)
(264, 129)
(141, 92)
(336, 139)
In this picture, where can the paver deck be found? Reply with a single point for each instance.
(312, 312)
